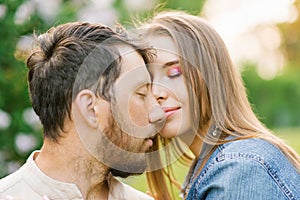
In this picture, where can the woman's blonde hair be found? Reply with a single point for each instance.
(216, 90)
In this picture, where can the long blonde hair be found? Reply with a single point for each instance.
(217, 93)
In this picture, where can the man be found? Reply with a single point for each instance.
(90, 88)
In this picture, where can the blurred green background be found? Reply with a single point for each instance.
(275, 100)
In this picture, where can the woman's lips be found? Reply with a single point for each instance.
(170, 111)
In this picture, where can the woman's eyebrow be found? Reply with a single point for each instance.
(170, 63)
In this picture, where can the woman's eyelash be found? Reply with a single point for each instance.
(174, 72)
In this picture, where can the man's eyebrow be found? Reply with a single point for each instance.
(145, 86)
(170, 63)
(142, 83)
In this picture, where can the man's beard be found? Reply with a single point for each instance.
(121, 152)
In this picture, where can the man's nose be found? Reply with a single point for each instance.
(157, 115)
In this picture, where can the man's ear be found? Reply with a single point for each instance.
(85, 102)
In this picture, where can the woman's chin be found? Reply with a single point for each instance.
(169, 133)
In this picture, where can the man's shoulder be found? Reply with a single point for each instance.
(11, 183)
(16, 185)
(10, 179)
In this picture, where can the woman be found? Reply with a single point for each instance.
(206, 106)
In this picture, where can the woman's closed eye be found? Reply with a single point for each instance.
(174, 71)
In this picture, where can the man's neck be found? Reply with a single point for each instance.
(68, 161)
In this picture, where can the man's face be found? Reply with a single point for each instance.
(133, 102)
(133, 107)
(119, 132)
(133, 119)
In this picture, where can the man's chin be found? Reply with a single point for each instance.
(133, 169)
(118, 173)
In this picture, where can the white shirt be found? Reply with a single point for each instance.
(30, 183)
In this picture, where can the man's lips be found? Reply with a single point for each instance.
(170, 111)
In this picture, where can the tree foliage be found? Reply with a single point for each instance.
(276, 101)
(291, 39)
(14, 98)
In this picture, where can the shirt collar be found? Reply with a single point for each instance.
(45, 185)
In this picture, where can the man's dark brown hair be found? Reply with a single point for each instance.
(69, 58)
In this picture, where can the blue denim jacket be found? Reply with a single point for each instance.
(246, 169)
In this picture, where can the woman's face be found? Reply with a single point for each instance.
(169, 87)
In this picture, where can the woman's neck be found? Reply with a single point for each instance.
(196, 146)
(193, 141)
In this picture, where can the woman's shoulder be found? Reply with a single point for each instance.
(255, 150)
(250, 146)
(257, 162)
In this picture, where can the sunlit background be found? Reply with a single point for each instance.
(261, 35)
(249, 28)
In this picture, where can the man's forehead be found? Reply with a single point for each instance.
(135, 77)
(133, 69)
(130, 58)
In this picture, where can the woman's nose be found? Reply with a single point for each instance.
(157, 115)
(159, 92)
